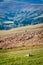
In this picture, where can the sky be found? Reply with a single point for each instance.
(29, 1)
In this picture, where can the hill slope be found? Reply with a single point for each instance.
(23, 36)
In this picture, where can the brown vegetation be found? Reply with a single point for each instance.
(27, 37)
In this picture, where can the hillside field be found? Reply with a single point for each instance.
(21, 57)
(22, 46)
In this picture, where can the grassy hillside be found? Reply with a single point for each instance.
(22, 29)
(21, 57)
(25, 46)
(24, 36)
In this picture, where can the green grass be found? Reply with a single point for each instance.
(12, 57)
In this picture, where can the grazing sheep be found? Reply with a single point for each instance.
(29, 55)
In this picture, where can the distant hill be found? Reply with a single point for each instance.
(19, 14)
